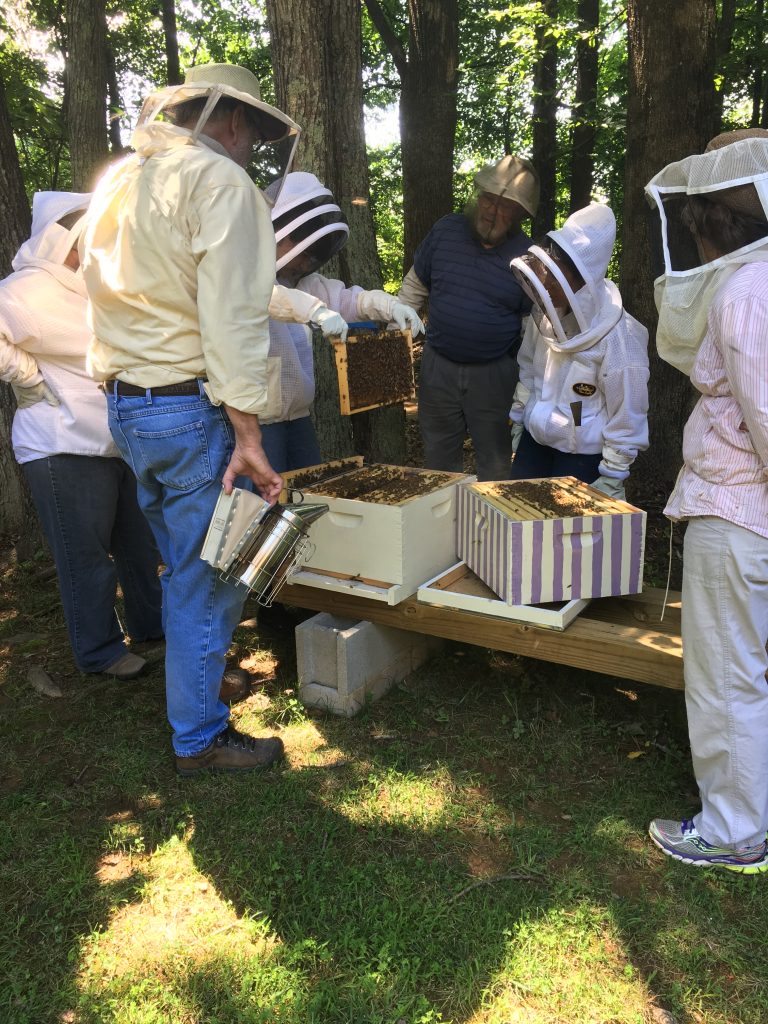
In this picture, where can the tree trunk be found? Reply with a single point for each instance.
(758, 73)
(317, 59)
(584, 116)
(724, 42)
(171, 42)
(17, 515)
(428, 77)
(671, 55)
(86, 80)
(545, 105)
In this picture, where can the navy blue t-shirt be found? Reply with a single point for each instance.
(475, 304)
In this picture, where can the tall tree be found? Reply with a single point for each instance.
(660, 129)
(318, 81)
(86, 89)
(584, 112)
(428, 70)
(545, 105)
(171, 42)
(15, 503)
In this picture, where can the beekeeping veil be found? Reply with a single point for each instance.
(213, 82)
(591, 311)
(732, 171)
(304, 211)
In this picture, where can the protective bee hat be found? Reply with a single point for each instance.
(304, 211)
(733, 171)
(587, 237)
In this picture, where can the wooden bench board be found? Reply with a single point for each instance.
(617, 636)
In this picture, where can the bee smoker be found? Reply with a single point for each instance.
(258, 546)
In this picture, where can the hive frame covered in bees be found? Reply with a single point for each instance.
(392, 346)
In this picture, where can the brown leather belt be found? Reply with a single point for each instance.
(185, 387)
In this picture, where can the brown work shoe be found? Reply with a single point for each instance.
(127, 666)
(232, 751)
(235, 685)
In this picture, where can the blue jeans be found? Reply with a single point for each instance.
(291, 444)
(88, 510)
(534, 460)
(179, 447)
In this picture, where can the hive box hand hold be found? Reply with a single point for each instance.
(535, 541)
(374, 368)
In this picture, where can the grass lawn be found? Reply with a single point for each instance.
(470, 849)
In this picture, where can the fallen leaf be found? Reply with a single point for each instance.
(635, 753)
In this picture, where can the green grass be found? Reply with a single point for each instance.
(470, 849)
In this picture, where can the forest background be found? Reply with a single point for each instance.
(600, 94)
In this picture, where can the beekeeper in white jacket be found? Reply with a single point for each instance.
(84, 493)
(309, 230)
(581, 405)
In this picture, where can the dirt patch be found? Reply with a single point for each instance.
(384, 485)
(379, 369)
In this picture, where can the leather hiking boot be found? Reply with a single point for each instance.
(232, 751)
(235, 685)
(128, 666)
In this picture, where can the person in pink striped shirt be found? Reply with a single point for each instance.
(713, 321)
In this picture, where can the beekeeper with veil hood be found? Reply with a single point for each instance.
(84, 493)
(713, 323)
(180, 265)
(581, 405)
(310, 229)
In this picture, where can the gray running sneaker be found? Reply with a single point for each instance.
(681, 840)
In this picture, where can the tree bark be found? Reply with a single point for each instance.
(86, 80)
(545, 103)
(583, 118)
(171, 42)
(317, 59)
(428, 77)
(671, 55)
(17, 514)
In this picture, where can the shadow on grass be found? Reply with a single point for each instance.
(472, 845)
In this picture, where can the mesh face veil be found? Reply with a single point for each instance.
(529, 272)
(734, 175)
(306, 213)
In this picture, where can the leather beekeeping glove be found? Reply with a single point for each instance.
(36, 393)
(611, 487)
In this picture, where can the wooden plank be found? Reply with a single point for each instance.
(624, 648)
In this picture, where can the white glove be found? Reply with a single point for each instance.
(31, 396)
(517, 433)
(407, 318)
(610, 486)
(333, 325)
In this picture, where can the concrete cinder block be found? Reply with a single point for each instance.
(344, 663)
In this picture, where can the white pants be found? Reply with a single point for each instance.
(724, 629)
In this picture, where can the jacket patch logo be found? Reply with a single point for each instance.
(584, 389)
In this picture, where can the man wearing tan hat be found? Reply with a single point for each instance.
(469, 367)
(179, 263)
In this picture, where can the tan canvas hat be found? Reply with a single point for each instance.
(227, 80)
(513, 178)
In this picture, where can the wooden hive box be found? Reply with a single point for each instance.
(388, 528)
(536, 541)
(374, 368)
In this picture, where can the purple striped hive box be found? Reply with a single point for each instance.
(533, 541)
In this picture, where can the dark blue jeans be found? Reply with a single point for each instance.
(291, 444)
(179, 447)
(98, 535)
(534, 460)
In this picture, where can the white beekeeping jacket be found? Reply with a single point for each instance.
(44, 336)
